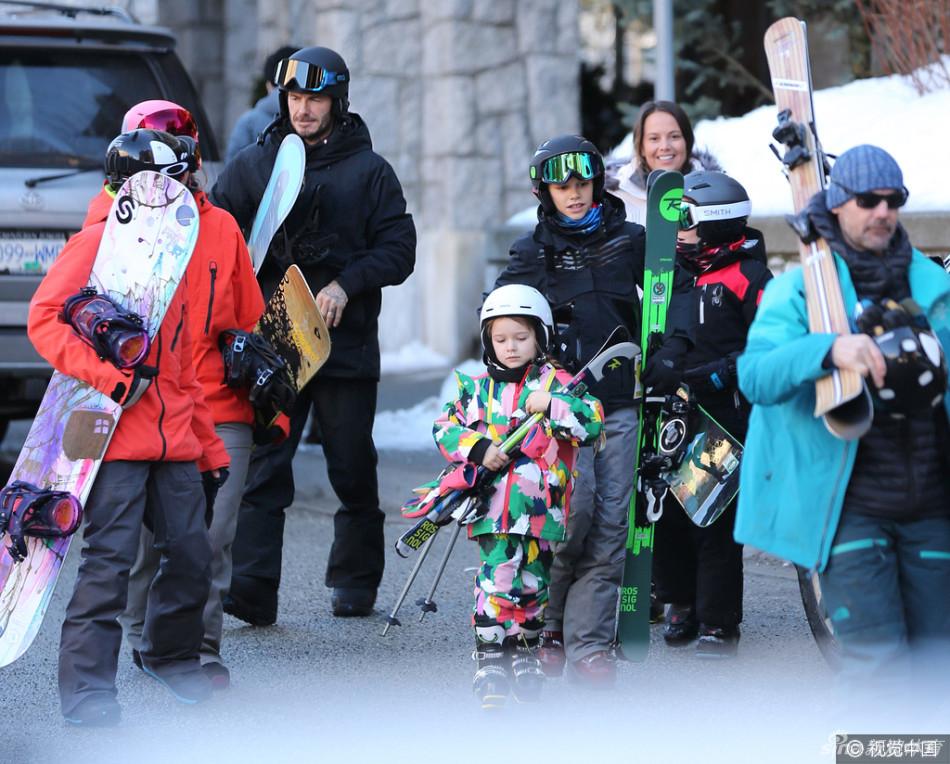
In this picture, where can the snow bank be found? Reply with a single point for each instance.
(411, 429)
(885, 111)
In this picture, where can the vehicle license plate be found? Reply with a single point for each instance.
(29, 251)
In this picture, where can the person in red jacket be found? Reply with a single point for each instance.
(224, 294)
(152, 469)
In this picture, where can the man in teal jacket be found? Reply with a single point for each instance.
(872, 515)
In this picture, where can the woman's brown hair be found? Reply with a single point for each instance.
(681, 119)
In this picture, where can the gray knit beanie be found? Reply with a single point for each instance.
(863, 168)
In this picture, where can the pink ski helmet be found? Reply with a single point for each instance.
(166, 116)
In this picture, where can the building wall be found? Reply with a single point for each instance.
(457, 95)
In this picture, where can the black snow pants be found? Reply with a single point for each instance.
(345, 410)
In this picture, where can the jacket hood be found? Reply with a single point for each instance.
(874, 277)
(350, 136)
(629, 172)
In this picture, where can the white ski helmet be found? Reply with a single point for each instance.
(517, 300)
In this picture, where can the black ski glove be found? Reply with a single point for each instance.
(662, 373)
(211, 484)
(127, 395)
(713, 377)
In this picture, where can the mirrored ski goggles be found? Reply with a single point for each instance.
(177, 122)
(117, 335)
(691, 215)
(868, 200)
(171, 121)
(299, 75)
(560, 168)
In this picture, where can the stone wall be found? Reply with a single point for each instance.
(457, 94)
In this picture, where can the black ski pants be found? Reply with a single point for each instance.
(345, 410)
(699, 566)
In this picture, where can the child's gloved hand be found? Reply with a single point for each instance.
(538, 402)
(495, 459)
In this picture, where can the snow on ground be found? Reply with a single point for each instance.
(885, 111)
(413, 356)
(411, 429)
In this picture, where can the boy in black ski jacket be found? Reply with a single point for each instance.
(699, 570)
(587, 260)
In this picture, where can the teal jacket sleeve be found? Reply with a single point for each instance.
(780, 354)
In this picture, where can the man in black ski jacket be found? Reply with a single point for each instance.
(351, 235)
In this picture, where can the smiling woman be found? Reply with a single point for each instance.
(662, 140)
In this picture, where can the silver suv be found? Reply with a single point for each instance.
(67, 77)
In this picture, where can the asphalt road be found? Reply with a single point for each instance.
(317, 688)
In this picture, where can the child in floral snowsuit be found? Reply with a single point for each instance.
(527, 509)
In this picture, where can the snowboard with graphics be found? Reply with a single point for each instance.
(292, 324)
(703, 472)
(280, 195)
(663, 211)
(146, 245)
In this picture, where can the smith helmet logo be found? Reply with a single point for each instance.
(670, 205)
(124, 207)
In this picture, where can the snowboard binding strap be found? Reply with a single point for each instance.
(116, 334)
(250, 362)
(27, 510)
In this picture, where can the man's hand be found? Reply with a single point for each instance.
(495, 459)
(538, 402)
(857, 352)
(331, 300)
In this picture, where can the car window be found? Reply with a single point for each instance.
(62, 108)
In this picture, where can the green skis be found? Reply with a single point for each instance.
(663, 207)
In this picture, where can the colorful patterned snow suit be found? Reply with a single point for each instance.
(529, 506)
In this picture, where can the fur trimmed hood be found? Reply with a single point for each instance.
(616, 172)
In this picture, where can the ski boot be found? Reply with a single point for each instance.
(717, 642)
(490, 683)
(527, 676)
(551, 654)
(681, 625)
(597, 671)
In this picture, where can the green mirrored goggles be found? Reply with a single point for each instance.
(558, 169)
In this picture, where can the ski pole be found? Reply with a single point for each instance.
(391, 619)
(427, 605)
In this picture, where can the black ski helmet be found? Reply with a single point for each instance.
(716, 205)
(154, 150)
(566, 145)
(915, 377)
(315, 70)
